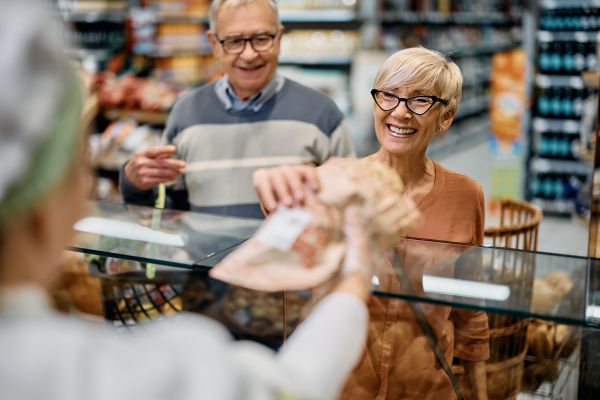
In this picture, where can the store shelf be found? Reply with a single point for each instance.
(316, 60)
(544, 166)
(180, 19)
(318, 15)
(455, 18)
(471, 111)
(567, 36)
(148, 117)
(558, 4)
(116, 16)
(476, 50)
(180, 53)
(563, 81)
(556, 125)
(556, 206)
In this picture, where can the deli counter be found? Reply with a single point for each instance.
(144, 264)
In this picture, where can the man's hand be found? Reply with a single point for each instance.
(285, 185)
(148, 168)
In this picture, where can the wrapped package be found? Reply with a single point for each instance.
(301, 248)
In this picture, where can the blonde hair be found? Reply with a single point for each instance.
(425, 68)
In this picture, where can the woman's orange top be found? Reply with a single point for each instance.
(398, 362)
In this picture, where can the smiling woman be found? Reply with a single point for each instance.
(416, 95)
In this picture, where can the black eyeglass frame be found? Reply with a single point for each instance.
(249, 40)
(435, 100)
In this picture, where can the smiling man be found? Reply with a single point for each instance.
(218, 134)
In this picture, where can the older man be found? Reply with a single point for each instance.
(218, 134)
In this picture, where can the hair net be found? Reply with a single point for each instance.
(39, 104)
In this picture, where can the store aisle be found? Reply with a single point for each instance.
(556, 234)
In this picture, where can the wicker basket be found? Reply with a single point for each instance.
(518, 229)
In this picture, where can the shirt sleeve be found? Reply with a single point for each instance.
(317, 359)
(341, 144)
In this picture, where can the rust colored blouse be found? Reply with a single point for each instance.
(398, 362)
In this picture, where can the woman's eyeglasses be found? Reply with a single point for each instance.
(418, 104)
(236, 45)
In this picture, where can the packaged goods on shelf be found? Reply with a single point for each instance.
(129, 92)
(187, 69)
(172, 38)
(83, 6)
(319, 45)
(179, 8)
(285, 5)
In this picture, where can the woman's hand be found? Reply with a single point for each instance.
(286, 185)
(361, 256)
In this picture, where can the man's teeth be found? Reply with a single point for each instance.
(401, 131)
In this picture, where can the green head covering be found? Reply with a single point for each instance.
(40, 105)
(52, 157)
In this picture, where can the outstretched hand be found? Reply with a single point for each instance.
(148, 168)
(286, 185)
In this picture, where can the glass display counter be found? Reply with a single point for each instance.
(153, 263)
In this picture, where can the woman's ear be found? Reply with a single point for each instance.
(446, 120)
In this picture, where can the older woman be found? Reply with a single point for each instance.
(44, 182)
(416, 94)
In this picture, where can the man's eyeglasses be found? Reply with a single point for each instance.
(418, 105)
(236, 45)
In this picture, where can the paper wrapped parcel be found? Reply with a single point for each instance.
(301, 248)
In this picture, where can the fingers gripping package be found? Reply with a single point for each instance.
(301, 248)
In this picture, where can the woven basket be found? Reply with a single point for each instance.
(518, 229)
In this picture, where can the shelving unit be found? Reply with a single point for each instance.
(566, 37)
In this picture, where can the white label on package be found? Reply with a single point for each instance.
(283, 228)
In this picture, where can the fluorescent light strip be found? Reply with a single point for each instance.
(127, 230)
(464, 288)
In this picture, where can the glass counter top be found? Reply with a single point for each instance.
(560, 288)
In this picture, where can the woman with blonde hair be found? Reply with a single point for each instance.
(416, 95)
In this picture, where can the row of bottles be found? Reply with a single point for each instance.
(559, 146)
(570, 19)
(557, 102)
(567, 57)
(555, 186)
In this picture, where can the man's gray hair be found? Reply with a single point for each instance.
(216, 6)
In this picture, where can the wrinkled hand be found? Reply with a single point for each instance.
(148, 168)
(287, 185)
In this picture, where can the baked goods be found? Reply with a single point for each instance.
(549, 291)
(300, 248)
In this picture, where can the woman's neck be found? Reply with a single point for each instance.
(417, 173)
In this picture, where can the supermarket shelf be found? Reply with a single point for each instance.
(316, 60)
(175, 53)
(476, 50)
(458, 140)
(318, 15)
(81, 53)
(567, 36)
(565, 126)
(148, 117)
(544, 166)
(456, 18)
(116, 16)
(471, 111)
(565, 81)
(181, 19)
(556, 206)
(554, 4)
(477, 81)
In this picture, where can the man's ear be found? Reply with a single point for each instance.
(214, 44)
(446, 120)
